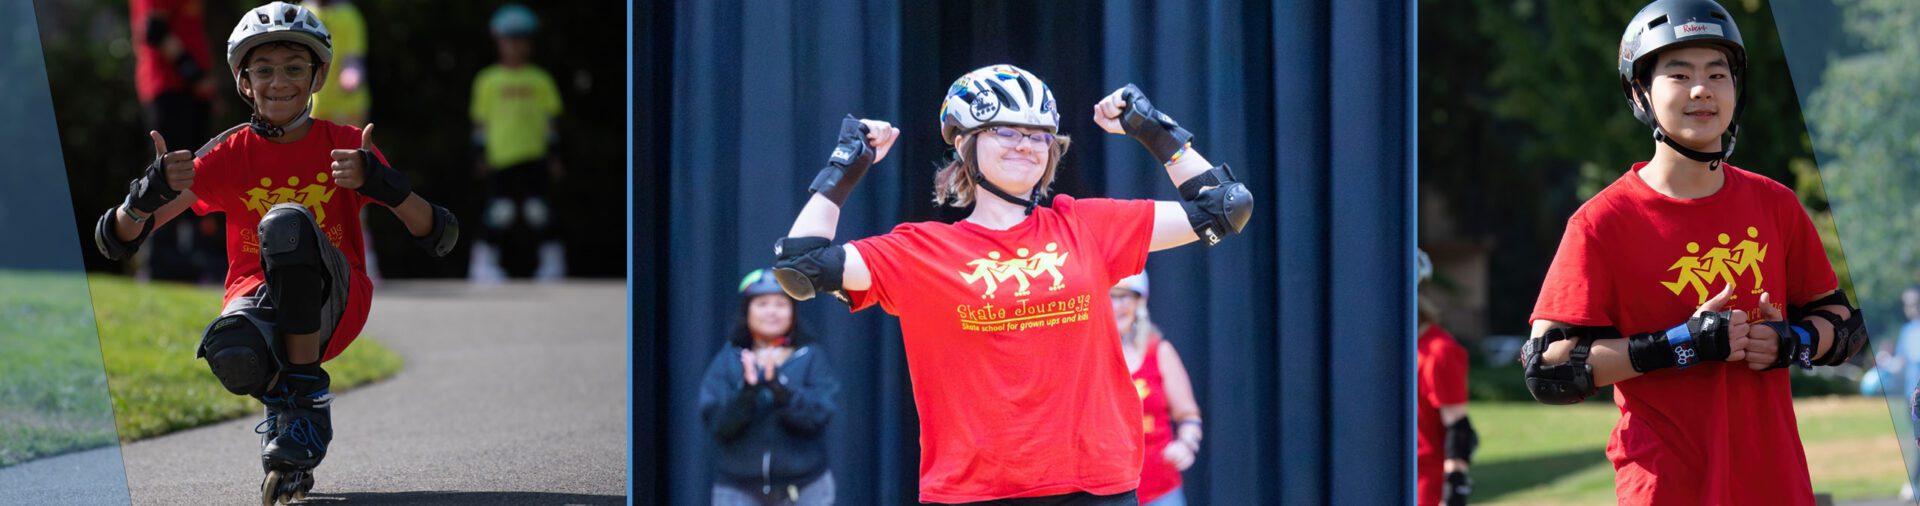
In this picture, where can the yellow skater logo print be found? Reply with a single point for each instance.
(1038, 298)
(313, 194)
(1022, 269)
(1720, 263)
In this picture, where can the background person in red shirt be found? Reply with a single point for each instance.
(1023, 394)
(1447, 439)
(174, 77)
(1658, 276)
(297, 291)
(1172, 421)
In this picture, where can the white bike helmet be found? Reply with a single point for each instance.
(1136, 283)
(997, 95)
(278, 22)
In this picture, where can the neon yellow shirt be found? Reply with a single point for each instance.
(514, 106)
(333, 102)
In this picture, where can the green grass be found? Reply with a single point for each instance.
(1537, 454)
(53, 396)
(148, 334)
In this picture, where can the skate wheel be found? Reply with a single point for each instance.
(270, 488)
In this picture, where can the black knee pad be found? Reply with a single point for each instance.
(291, 256)
(239, 348)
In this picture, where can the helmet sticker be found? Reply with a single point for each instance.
(985, 105)
(1698, 28)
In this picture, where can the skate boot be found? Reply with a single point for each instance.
(297, 437)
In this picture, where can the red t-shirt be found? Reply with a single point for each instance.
(1012, 348)
(1639, 261)
(244, 175)
(153, 73)
(1157, 476)
(1442, 365)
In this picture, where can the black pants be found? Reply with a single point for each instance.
(1074, 499)
(519, 183)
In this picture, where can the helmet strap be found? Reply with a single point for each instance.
(1713, 159)
(980, 179)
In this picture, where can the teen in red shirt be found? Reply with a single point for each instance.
(297, 291)
(1010, 339)
(1687, 239)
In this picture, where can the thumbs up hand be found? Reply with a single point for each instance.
(169, 174)
(175, 166)
(350, 165)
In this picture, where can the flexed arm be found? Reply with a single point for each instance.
(806, 261)
(1214, 204)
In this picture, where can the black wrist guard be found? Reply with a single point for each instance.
(1154, 129)
(383, 184)
(850, 160)
(1795, 344)
(150, 191)
(1702, 338)
(1458, 488)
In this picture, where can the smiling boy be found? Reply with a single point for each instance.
(1656, 277)
(297, 291)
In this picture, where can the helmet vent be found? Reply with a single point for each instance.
(1006, 99)
(1656, 22)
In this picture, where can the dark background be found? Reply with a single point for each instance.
(1298, 332)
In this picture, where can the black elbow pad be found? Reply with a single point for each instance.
(1217, 204)
(110, 245)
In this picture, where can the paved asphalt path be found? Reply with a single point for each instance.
(511, 394)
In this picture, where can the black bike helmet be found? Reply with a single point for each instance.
(1672, 24)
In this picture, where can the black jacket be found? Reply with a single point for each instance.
(770, 434)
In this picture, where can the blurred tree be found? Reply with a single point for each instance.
(1864, 125)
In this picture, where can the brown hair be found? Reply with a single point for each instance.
(953, 184)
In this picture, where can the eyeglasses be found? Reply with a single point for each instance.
(1011, 138)
(294, 71)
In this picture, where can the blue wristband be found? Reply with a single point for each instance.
(1805, 356)
(1682, 342)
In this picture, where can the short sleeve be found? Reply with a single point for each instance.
(1120, 230)
(211, 170)
(1449, 374)
(1809, 273)
(1578, 287)
(882, 254)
